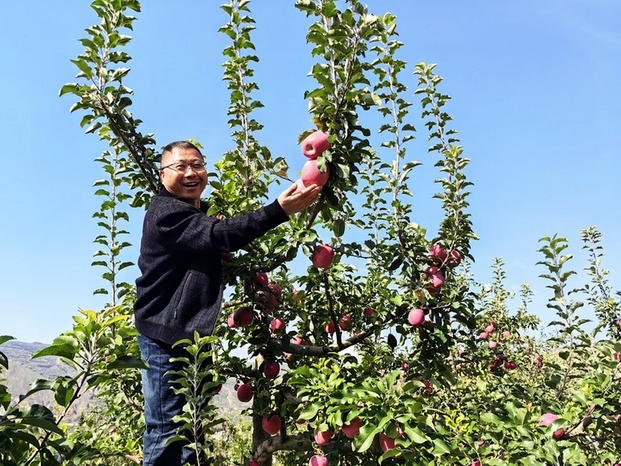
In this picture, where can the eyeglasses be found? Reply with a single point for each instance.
(183, 167)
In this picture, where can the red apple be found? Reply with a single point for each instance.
(323, 256)
(245, 392)
(227, 256)
(271, 369)
(437, 253)
(299, 186)
(351, 430)
(312, 175)
(314, 144)
(369, 311)
(558, 434)
(491, 327)
(260, 280)
(510, 365)
(428, 386)
(345, 323)
(437, 279)
(275, 289)
(475, 463)
(547, 419)
(271, 424)
(416, 317)
(253, 463)
(492, 344)
(318, 460)
(484, 335)
(231, 320)
(271, 301)
(506, 334)
(277, 325)
(243, 316)
(298, 295)
(330, 328)
(298, 340)
(454, 259)
(323, 438)
(386, 443)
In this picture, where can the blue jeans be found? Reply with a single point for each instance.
(161, 404)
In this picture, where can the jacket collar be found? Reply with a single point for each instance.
(165, 193)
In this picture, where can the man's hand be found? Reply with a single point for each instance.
(292, 203)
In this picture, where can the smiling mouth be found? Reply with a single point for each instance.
(190, 185)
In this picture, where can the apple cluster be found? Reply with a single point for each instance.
(269, 294)
(345, 324)
(500, 360)
(322, 438)
(440, 257)
(350, 430)
(434, 279)
(312, 147)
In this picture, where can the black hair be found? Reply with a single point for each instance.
(181, 145)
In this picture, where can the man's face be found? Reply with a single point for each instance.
(188, 185)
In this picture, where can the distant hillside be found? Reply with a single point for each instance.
(23, 372)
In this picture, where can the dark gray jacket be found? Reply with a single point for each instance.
(180, 289)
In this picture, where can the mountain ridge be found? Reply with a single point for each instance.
(24, 371)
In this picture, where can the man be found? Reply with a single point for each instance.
(180, 289)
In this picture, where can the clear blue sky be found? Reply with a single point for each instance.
(536, 99)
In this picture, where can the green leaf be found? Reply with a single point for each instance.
(415, 434)
(441, 447)
(24, 436)
(367, 436)
(338, 227)
(63, 346)
(84, 68)
(38, 386)
(309, 412)
(490, 418)
(128, 362)
(69, 88)
(5, 338)
(43, 424)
